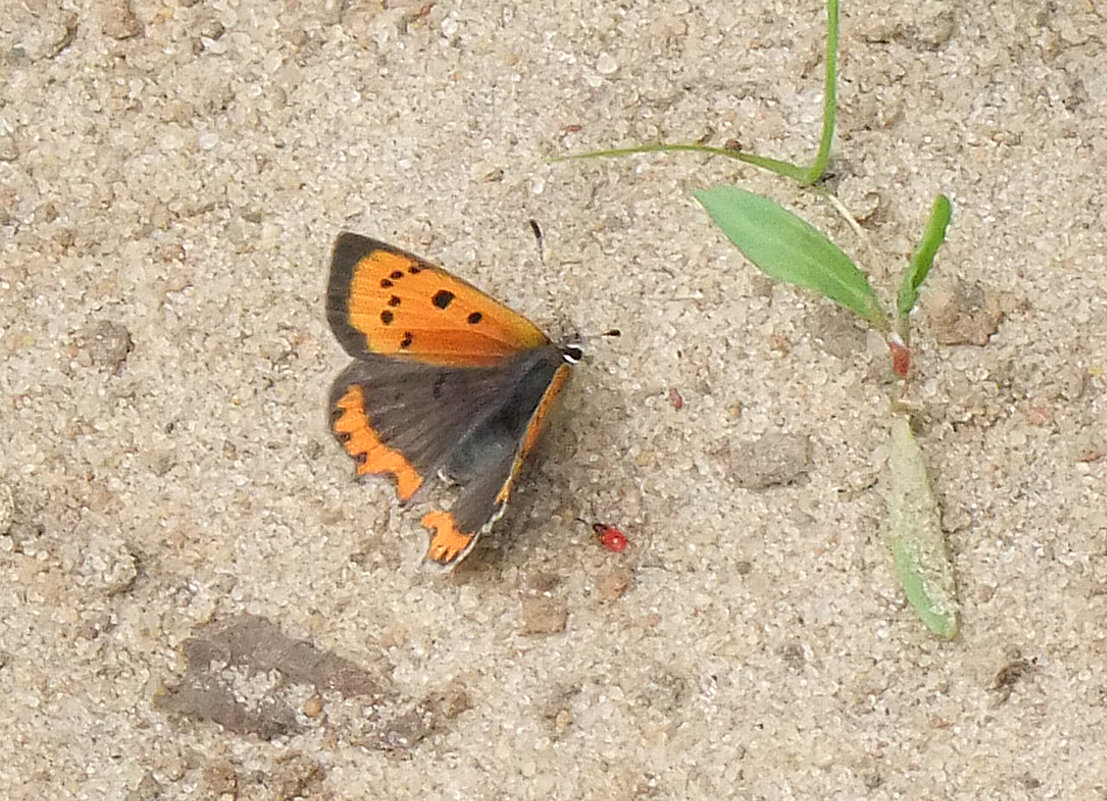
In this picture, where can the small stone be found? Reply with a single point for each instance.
(868, 205)
(108, 565)
(793, 655)
(1016, 669)
(47, 212)
(104, 344)
(289, 179)
(1069, 382)
(295, 775)
(606, 64)
(328, 12)
(9, 201)
(614, 584)
(69, 33)
(1039, 416)
(7, 509)
(160, 216)
(966, 316)
(780, 344)
(170, 251)
(313, 707)
(1089, 448)
(934, 32)
(448, 703)
(385, 26)
(876, 29)
(772, 460)
(221, 779)
(544, 615)
(406, 730)
(120, 21)
(213, 30)
(542, 582)
(9, 151)
(26, 537)
(148, 789)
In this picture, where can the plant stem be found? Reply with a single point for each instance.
(784, 168)
(830, 97)
(805, 176)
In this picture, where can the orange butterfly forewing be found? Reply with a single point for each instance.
(407, 308)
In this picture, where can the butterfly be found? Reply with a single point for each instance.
(446, 383)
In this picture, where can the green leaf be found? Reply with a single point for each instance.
(915, 531)
(785, 247)
(923, 259)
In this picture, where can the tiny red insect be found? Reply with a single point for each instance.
(612, 538)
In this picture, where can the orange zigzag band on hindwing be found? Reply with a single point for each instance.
(362, 442)
(447, 545)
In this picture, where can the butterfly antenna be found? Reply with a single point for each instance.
(539, 237)
(584, 339)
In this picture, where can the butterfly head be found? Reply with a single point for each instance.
(573, 349)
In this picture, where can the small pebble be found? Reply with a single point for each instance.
(968, 315)
(772, 460)
(104, 344)
(606, 64)
(614, 584)
(7, 509)
(544, 615)
(120, 21)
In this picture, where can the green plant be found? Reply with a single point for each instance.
(789, 249)
(785, 247)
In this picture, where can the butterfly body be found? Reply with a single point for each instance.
(446, 383)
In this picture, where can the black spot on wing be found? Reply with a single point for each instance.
(442, 298)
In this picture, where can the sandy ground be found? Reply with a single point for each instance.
(198, 601)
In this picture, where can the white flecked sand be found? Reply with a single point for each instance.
(179, 170)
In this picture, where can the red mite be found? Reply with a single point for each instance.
(612, 538)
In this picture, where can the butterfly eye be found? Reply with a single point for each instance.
(572, 353)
